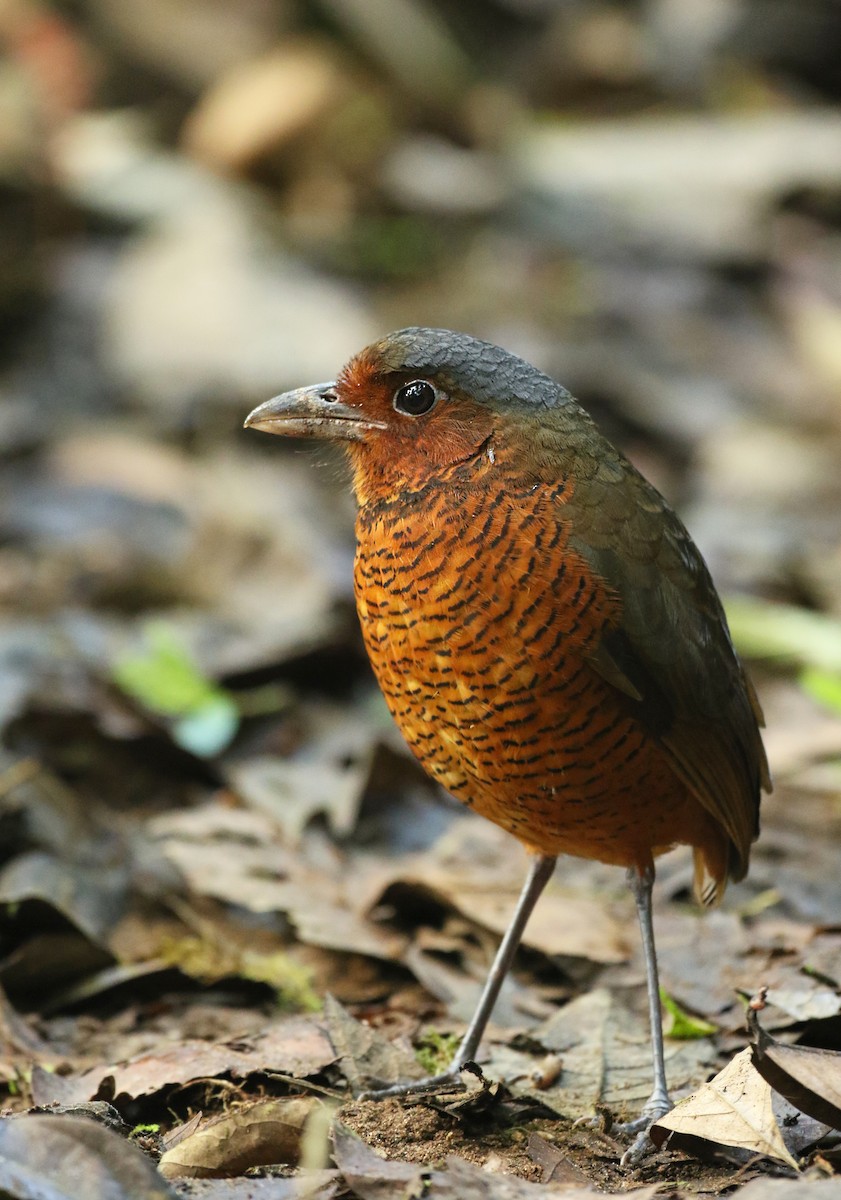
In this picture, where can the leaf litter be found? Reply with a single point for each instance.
(228, 899)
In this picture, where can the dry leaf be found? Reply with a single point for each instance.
(181, 1132)
(556, 1165)
(808, 1077)
(366, 1057)
(293, 793)
(298, 1046)
(73, 1158)
(259, 105)
(254, 1136)
(605, 1050)
(371, 1177)
(733, 1109)
(565, 922)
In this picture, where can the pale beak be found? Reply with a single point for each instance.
(314, 411)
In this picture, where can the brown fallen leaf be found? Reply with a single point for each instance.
(812, 1002)
(256, 1135)
(293, 793)
(365, 1056)
(568, 923)
(458, 989)
(334, 927)
(605, 1051)
(181, 1132)
(371, 1177)
(73, 1158)
(808, 1077)
(554, 1163)
(230, 854)
(297, 1046)
(733, 1109)
(16, 1035)
(90, 897)
(234, 855)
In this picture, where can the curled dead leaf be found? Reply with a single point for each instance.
(808, 1077)
(256, 1135)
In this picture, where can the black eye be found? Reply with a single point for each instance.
(415, 398)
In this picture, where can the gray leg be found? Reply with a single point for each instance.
(539, 875)
(658, 1103)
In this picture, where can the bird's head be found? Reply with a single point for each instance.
(421, 404)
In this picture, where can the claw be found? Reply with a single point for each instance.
(639, 1149)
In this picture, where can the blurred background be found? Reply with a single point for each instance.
(205, 202)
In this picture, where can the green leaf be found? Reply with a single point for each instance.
(210, 728)
(781, 631)
(684, 1027)
(436, 1051)
(167, 681)
(823, 686)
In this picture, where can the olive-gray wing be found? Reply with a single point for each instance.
(672, 654)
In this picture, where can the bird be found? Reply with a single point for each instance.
(545, 632)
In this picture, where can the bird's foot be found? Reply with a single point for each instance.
(642, 1144)
(448, 1081)
(656, 1107)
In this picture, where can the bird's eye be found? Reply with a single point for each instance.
(415, 398)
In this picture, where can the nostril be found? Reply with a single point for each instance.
(329, 395)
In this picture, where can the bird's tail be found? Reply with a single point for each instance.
(711, 873)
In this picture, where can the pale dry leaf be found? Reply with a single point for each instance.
(292, 793)
(239, 857)
(181, 1132)
(733, 1109)
(564, 922)
(702, 956)
(578, 1034)
(229, 854)
(555, 1164)
(605, 1052)
(201, 302)
(812, 1001)
(255, 1135)
(333, 927)
(686, 180)
(259, 105)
